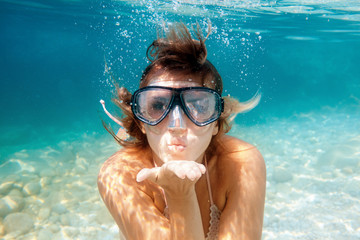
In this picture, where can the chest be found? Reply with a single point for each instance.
(203, 191)
(215, 185)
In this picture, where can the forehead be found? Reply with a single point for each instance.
(174, 82)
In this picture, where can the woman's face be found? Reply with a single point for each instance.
(177, 137)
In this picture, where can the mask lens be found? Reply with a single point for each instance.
(151, 105)
(202, 105)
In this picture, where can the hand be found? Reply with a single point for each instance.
(175, 177)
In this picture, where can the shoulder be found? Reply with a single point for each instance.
(229, 144)
(244, 175)
(121, 168)
(234, 149)
(240, 160)
(115, 164)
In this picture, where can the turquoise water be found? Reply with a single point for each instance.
(302, 55)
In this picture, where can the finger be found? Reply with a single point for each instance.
(180, 173)
(188, 170)
(198, 174)
(177, 169)
(142, 175)
(146, 173)
(192, 175)
(195, 173)
(202, 168)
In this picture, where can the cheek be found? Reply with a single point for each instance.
(156, 130)
(202, 135)
(206, 131)
(154, 135)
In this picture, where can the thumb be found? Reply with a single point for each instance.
(146, 173)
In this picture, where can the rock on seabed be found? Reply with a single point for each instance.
(281, 175)
(18, 222)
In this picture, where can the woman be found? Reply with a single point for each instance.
(178, 175)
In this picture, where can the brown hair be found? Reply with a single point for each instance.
(177, 53)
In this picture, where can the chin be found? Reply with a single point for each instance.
(175, 156)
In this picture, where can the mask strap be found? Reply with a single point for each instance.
(109, 114)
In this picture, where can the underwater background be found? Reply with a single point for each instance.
(302, 55)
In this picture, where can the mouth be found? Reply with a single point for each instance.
(176, 146)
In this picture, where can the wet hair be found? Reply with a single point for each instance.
(179, 54)
(174, 54)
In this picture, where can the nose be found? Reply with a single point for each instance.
(176, 118)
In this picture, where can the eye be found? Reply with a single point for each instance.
(158, 105)
(201, 105)
(200, 108)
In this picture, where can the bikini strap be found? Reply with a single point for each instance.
(208, 181)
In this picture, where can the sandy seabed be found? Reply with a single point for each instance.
(313, 182)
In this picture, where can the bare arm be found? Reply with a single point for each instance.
(134, 210)
(242, 216)
(178, 179)
(131, 207)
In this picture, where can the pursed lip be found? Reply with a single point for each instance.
(176, 145)
(176, 142)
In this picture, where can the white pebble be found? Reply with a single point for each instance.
(45, 234)
(5, 187)
(10, 203)
(32, 188)
(59, 208)
(64, 219)
(47, 173)
(282, 175)
(54, 228)
(44, 213)
(18, 222)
